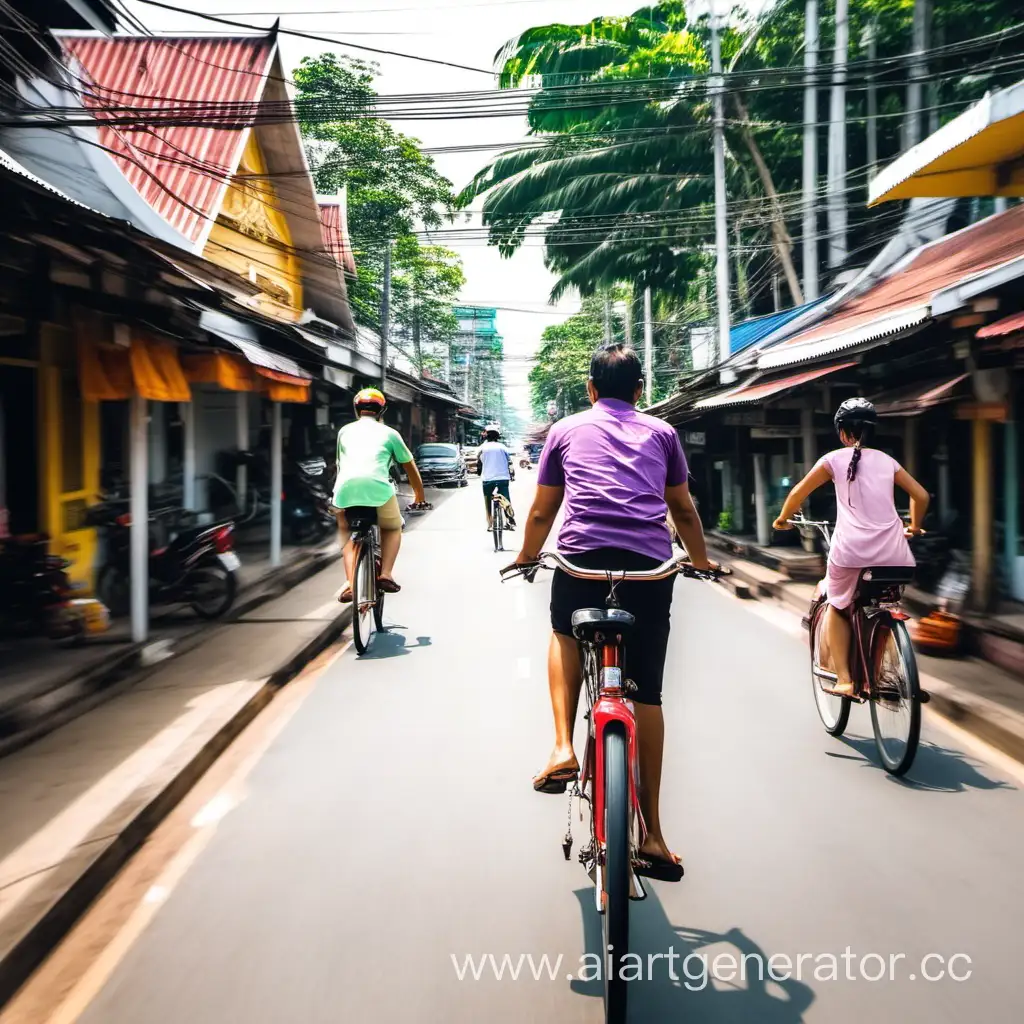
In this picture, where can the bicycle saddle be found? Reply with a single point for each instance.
(588, 622)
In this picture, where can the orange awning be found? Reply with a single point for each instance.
(277, 391)
(232, 373)
(148, 368)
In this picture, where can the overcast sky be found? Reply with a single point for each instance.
(466, 32)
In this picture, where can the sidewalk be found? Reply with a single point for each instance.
(976, 694)
(44, 683)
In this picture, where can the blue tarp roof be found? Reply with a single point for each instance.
(752, 331)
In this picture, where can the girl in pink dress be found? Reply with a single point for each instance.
(869, 531)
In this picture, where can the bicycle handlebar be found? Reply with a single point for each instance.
(553, 560)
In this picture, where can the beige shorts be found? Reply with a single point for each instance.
(389, 517)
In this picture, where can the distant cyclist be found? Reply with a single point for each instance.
(493, 465)
(366, 449)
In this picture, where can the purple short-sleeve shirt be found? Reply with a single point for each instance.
(614, 464)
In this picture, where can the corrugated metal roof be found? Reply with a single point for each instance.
(180, 171)
(10, 164)
(912, 399)
(334, 225)
(903, 300)
(1008, 325)
(757, 390)
(750, 332)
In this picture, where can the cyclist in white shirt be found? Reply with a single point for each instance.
(493, 466)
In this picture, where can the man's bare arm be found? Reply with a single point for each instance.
(687, 524)
(539, 521)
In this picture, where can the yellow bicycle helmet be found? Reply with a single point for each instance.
(370, 398)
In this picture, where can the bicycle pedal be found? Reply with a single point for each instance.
(924, 697)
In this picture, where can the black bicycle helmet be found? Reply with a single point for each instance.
(855, 410)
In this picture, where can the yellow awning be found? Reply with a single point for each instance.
(232, 373)
(979, 153)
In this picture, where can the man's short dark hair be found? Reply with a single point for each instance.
(492, 435)
(616, 372)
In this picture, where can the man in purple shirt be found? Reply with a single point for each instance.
(620, 473)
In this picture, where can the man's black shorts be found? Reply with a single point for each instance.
(650, 602)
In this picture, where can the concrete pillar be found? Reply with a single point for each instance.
(276, 482)
(981, 564)
(157, 440)
(810, 449)
(242, 440)
(139, 541)
(910, 445)
(764, 531)
(188, 447)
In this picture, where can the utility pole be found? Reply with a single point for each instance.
(648, 348)
(721, 228)
(385, 315)
(837, 140)
(871, 43)
(811, 288)
(918, 72)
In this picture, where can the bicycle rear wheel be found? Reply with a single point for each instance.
(833, 711)
(363, 595)
(616, 872)
(895, 698)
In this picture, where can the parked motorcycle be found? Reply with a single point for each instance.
(36, 593)
(198, 567)
(306, 514)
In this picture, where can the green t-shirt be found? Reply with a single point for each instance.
(365, 450)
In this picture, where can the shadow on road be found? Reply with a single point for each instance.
(937, 769)
(695, 995)
(393, 645)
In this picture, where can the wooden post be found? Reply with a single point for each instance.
(910, 445)
(139, 530)
(188, 444)
(981, 567)
(810, 450)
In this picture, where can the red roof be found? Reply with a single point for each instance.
(1008, 325)
(180, 171)
(334, 226)
(905, 297)
(759, 389)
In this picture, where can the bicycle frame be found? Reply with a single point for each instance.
(610, 707)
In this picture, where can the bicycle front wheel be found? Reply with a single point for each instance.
(363, 598)
(497, 526)
(616, 872)
(833, 711)
(895, 698)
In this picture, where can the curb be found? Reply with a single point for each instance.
(87, 878)
(77, 694)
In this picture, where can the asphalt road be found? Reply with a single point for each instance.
(391, 826)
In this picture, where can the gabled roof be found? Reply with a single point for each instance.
(182, 171)
(909, 296)
(334, 225)
(750, 332)
(756, 390)
(201, 97)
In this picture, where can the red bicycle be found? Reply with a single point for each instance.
(609, 774)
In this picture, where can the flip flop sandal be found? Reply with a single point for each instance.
(661, 869)
(387, 586)
(345, 597)
(555, 781)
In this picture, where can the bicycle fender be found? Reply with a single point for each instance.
(606, 712)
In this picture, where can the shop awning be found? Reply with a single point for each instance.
(1008, 325)
(979, 153)
(914, 399)
(757, 390)
(148, 367)
(286, 381)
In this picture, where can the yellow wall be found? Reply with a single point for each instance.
(70, 454)
(251, 235)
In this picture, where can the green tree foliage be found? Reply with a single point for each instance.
(392, 188)
(563, 362)
(619, 182)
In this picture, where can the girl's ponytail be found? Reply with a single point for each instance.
(860, 432)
